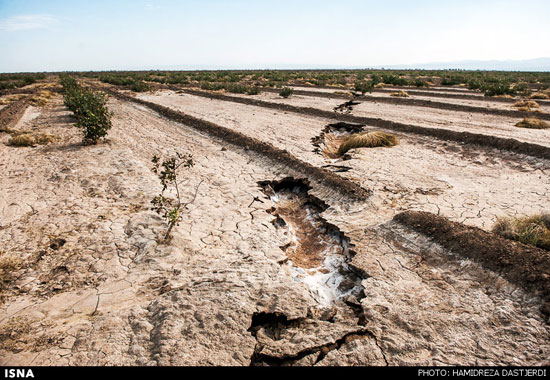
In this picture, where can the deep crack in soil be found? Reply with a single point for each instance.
(325, 177)
(318, 253)
(332, 136)
(346, 107)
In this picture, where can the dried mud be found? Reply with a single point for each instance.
(522, 264)
(95, 286)
(482, 140)
(327, 178)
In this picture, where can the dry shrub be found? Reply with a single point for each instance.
(29, 139)
(12, 331)
(42, 97)
(526, 103)
(9, 263)
(8, 130)
(369, 139)
(527, 106)
(22, 140)
(539, 95)
(527, 109)
(533, 230)
(381, 85)
(533, 123)
(401, 94)
(11, 98)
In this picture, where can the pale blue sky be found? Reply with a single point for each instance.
(58, 35)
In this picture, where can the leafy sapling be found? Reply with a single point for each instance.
(171, 209)
(286, 92)
(363, 86)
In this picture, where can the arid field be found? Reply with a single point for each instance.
(328, 227)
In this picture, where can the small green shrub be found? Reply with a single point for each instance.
(499, 89)
(235, 88)
(89, 108)
(420, 83)
(363, 86)
(171, 209)
(286, 92)
(253, 90)
(140, 86)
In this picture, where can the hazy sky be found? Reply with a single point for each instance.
(53, 35)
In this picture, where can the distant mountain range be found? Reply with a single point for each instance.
(536, 64)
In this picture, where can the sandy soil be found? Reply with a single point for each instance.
(89, 282)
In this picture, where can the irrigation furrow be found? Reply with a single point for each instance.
(458, 95)
(322, 176)
(10, 115)
(524, 265)
(481, 140)
(421, 103)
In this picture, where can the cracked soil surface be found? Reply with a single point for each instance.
(86, 279)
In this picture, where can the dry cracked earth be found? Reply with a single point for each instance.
(271, 265)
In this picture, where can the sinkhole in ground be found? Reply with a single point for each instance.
(332, 136)
(346, 107)
(318, 253)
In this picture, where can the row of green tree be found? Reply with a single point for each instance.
(89, 108)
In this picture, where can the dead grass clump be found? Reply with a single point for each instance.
(8, 99)
(28, 139)
(11, 333)
(401, 94)
(22, 140)
(9, 263)
(42, 97)
(533, 230)
(332, 144)
(370, 139)
(527, 105)
(533, 123)
(8, 130)
(539, 95)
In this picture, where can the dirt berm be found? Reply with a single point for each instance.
(322, 176)
(524, 265)
(10, 114)
(421, 103)
(482, 140)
